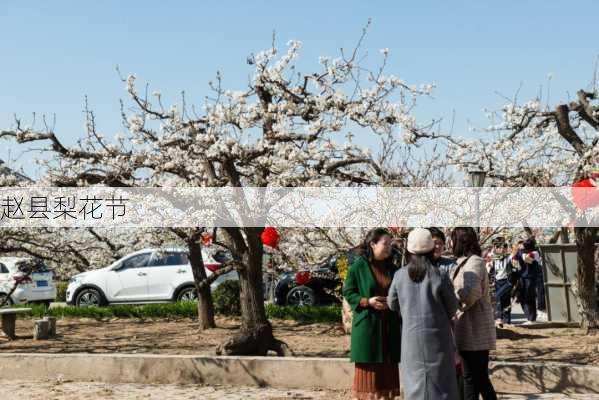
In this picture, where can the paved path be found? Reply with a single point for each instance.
(518, 317)
(59, 390)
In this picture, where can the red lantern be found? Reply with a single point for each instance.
(585, 194)
(206, 239)
(270, 237)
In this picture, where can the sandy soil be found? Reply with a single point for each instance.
(570, 345)
(312, 340)
(57, 390)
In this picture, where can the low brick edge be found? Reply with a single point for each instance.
(291, 372)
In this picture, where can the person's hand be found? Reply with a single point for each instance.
(378, 302)
(528, 258)
(383, 301)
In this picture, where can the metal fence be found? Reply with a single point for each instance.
(559, 271)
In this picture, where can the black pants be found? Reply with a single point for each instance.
(503, 291)
(528, 298)
(476, 375)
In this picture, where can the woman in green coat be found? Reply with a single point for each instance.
(376, 331)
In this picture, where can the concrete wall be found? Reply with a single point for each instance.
(323, 373)
(235, 371)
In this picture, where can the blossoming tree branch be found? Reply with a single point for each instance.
(286, 128)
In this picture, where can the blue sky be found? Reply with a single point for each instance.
(54, 53)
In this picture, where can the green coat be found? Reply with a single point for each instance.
(367, 332)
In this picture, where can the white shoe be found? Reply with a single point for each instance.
(542, 316)
(528, 323)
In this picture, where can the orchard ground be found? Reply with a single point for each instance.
(517, 343)
(181, 336)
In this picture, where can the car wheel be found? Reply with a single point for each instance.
(89, 298)
(301, 296)
(187, 294)
(2, 297)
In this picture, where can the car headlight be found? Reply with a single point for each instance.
(74, 279)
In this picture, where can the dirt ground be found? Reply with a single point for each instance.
(63, 390)
(306, 340)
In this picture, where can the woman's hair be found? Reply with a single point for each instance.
(464, 242)
(437, 233)
(418, 265)
(530, 244)
(373, 236)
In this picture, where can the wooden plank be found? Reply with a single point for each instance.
(14, 310)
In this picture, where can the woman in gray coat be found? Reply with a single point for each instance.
(425, 300)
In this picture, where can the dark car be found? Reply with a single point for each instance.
(311, 287)
(318, 286)
(307, 288)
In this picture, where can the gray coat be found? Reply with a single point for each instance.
(427, 356)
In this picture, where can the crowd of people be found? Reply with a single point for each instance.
(517, 275)
(436, 314)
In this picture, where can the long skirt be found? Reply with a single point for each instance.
(374, 381)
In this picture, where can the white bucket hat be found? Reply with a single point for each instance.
(420, 241)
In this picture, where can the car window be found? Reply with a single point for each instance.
(221, 256)
(42, 267)
(163, 259)
(136, 261)
(3, 269)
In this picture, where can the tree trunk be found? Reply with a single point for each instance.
(205, 305)
(597, 268)
(561, 234)
(586, 283)
(255, 336)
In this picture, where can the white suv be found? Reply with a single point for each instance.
(38, 288)
(146, 276)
